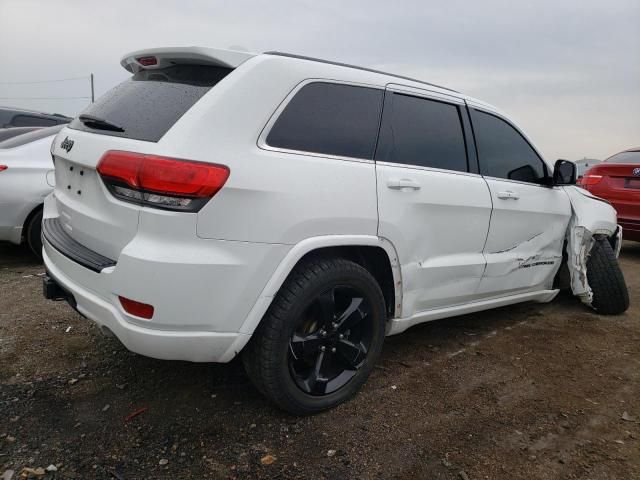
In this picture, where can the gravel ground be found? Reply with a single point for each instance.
(525, 392)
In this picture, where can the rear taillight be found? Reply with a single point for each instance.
(139, 309)
(589, 180)
(161, 182)
(3, 167)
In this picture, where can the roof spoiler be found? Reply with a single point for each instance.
(153, 58)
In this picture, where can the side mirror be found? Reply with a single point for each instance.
(564, 173)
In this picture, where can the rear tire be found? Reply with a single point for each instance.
(34, 234)
(320, 338)
(610, 294)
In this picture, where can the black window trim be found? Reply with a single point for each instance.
(262, 138)
(548, 176)
(458, 102)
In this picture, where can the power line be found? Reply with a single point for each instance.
(45, 81)
(41, 98)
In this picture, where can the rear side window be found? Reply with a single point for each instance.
(417, 131)
(624, 157)
(330, 119)
(503, 152)
(147, 105)
(32, 121)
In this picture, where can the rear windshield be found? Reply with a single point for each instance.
(624, 157)
(29, 137)
(147, 105)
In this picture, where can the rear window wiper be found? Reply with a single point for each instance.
(98, 123)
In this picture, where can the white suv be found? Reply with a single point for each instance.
(298, 210)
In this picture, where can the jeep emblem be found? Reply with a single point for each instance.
(636, 172)
(67, 144)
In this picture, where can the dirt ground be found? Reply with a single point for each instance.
(525, 392)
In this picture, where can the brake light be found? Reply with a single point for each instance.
(3, 167)
(147, 61)
(589, 180)
(139, 309)
(161, 182)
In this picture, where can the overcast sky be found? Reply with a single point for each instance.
(568, 72)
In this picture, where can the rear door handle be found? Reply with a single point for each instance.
(403, 183)
(508, 194)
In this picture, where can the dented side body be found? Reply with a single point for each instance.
(591, 218)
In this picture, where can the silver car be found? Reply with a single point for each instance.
(26, 177)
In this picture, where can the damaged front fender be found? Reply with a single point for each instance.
(591, 218)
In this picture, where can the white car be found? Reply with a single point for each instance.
(298, 211)
(26, 178)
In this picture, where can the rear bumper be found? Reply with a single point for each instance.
(195, 346)
(54, 233)
(630, 229)
(202, 290)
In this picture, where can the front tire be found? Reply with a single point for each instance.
(34, 234)
(610, 294)
(320, 338)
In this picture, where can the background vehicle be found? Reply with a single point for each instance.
(300, 210)
(617, 179)
(7, 133)
(26, 177)
(18, 117)
(585, 164)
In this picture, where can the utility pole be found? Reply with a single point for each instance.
(92, 95)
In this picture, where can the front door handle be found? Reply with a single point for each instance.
(508, 194)
(403, 183)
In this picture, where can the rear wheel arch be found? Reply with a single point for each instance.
(373, 259)
(375, 254)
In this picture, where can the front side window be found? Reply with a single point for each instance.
(330, 119)
(417, 131)
(503, 152)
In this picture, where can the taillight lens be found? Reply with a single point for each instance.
(139, 309)
(589, 180)
(161, 182)
(3, 167)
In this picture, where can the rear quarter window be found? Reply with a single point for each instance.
(330, 119)
(624, 157)
(147, 105)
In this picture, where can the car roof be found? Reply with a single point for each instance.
(166, 56)
(339, 64)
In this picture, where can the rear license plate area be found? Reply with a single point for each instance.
(632, 183)
(70, 177)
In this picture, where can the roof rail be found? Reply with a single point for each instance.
(302, 57)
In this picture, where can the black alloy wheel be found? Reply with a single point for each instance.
(331, 342)
(320, 338)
